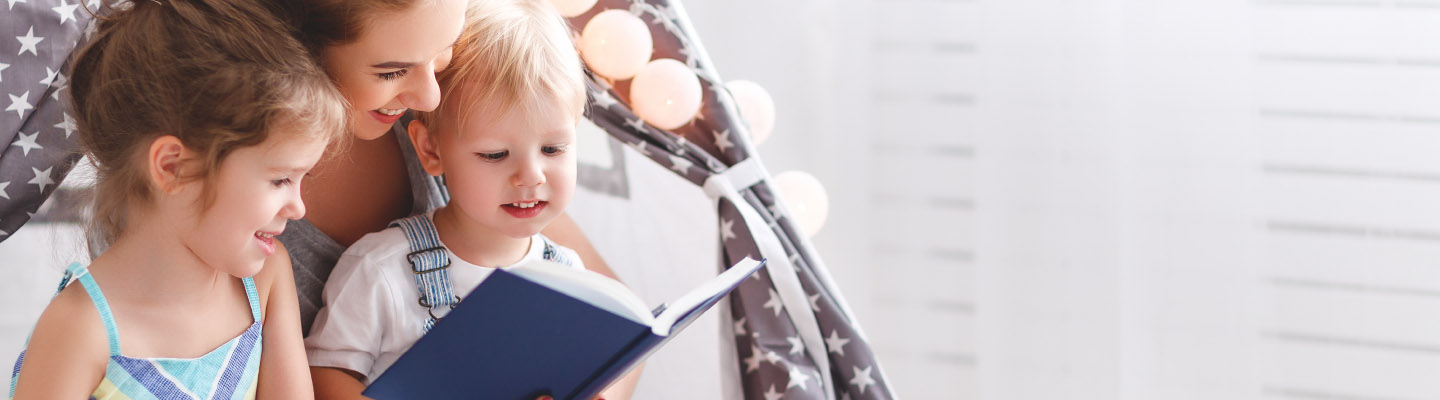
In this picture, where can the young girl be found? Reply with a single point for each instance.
(502, 136)
(202, 117)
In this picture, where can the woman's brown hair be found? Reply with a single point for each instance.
(220, 75)
(325, 23)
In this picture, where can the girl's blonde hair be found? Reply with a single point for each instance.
(220, 75)
(511, 54)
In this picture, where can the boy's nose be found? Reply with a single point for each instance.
(530, 173)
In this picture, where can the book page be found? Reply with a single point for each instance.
(588, 286)
(683, 309)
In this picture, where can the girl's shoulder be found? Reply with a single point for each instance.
(70, 332)
(276, 273)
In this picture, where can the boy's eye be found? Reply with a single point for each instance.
(280, 182)
(553, 150)
(496, 156)
(393, 75)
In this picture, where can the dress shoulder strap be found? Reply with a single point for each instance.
(82, 274)
(251, 295)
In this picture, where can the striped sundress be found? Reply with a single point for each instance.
(228, 372)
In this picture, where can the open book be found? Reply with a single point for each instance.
(543, 328)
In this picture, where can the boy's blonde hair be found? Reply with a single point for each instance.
(513, 55)
(219, 75)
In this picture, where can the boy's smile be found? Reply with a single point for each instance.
(508, 177)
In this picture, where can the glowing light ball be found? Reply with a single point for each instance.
(806, 198)
(666, 93)
(573, 8)
(756, 108)
(616, 44)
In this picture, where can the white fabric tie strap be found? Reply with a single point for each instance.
(727, 185)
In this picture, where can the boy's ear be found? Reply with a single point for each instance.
(425, 148)
(165, 163)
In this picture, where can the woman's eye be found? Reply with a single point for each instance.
(393, 75)
(496, 156)
(552, 150)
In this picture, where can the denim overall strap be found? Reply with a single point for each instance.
(429, 261)
(553, 254)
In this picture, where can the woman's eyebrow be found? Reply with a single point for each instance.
(394, 65)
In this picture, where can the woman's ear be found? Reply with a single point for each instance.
(165, 163)
(425, 148)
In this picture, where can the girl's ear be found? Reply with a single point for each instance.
(425, 148)
(165, 162)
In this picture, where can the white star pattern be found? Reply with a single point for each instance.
(740, 327)
(815, 302)
(66, 123)
(774, 302)
(28, 42)
(12, 3)
(797, 378)
(27, 142)
(752, 363)
(836, 343)
(773, 395)
(42, 178)
(862, 378)
(845, 396)
(680, 165)
(727, 229)
(722, 140)
(49, 77)
(19, 104)
(643, 148)
(772, 358)
(66, 11)
(638, 124)
(3, 66)
(3, 185)
(603, 99)
(796, 345)
(59, 82)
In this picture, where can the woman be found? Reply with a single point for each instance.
(383, 55)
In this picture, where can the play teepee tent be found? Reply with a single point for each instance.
(794, 334)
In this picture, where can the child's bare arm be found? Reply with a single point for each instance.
(68, 351)
(284, 374)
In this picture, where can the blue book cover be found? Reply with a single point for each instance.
(540, 329)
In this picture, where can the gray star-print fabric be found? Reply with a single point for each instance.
(793, 334)
(36, 40)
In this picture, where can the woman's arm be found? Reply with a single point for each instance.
(337, 384)
(284, 374)
(68, 351)
(566, 232)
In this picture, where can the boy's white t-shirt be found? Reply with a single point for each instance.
(372, 313)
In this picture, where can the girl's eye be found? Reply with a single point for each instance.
(553, 150)
(393, 75)
(281, 182)
(496, 156)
